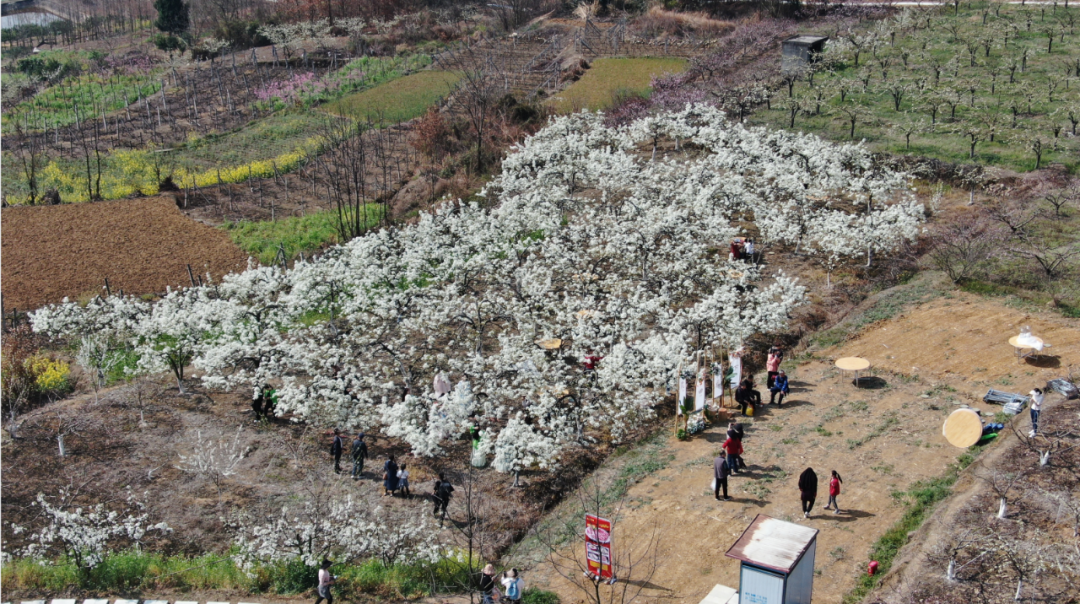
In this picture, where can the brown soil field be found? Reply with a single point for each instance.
(140, 245)
(881, 437)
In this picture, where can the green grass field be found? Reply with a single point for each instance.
(397, 101)
(608, 78)
(947, 80)
(269, 137)
(297, 233)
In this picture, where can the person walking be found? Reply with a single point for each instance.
(359, 453)
(733, 448)
(721, 469)
(1037, 397)
(390, 477)
(749, 248)
(807, 490)
(735, 431)
(335, 450)
(442, 493)
(780, 386)
(513, 586)
(325, 581)
(834, 490)
(487, 584)
(403, 481)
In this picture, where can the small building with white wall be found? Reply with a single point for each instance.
(777, 562)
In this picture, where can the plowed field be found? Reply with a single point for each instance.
(139, 245)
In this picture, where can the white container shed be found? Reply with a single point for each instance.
(777, 562)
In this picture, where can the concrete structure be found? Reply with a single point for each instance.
(777, 562)
(800, 51)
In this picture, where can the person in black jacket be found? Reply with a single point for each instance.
(441, 493)
(745, 395)
(487, 584)
(335, 450)
(720, 474)
(359, 453)
(807, 490)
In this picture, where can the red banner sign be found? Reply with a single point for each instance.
(598, 546)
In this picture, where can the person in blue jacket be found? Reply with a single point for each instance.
(780, 386)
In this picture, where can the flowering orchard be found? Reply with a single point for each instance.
(587, 241)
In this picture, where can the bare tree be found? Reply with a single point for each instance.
(1063, 198)
(962, 245)
(30, 150)
(483, 82)
(1001, 483)
(633, 555)
(345, 174)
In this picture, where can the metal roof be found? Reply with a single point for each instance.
(773, 544)
(805, 39)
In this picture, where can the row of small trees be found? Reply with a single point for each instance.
(941, 74)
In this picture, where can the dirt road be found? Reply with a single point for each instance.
(881, 438)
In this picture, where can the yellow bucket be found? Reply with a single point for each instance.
(750, 410)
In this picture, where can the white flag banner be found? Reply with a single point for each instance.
(682, 396)
(736, 371)
(699, 398)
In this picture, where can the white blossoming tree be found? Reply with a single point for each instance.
(587, 244)
(326, 525)
(85, 535)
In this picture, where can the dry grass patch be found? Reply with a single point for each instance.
(608, 79)
(661, 23)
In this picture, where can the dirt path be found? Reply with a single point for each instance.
(881, 438)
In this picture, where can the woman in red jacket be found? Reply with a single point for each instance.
(733, 447)
(834, 490)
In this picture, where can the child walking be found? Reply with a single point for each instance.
(403, 481)
(834, 490)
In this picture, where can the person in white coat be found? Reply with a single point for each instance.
(513, 586)
(1037, 397)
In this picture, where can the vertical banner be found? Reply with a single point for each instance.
(598, 546)
(682, 396)
(699, 396)
(718, 385)
(736, 371)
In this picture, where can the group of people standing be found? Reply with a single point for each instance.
(729, 462)
(513, 585)
(395, 478)
(777, 382)
(742, 249)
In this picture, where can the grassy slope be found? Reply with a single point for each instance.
(397, 101)
(265, 138)
(944, 140)
(607, 78)
(297, 233)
